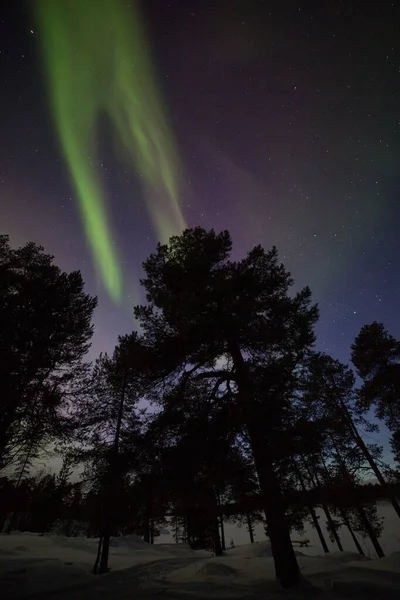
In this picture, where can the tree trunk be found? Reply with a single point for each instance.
(370, 530)
(221, 523)
(146, 528)
(312, 512)
(110, 491)
(250, 528)
(105, 551)
(223, 543)
(364, 519)
(99, 549)
(343, 514)
(212, 519)
(286, 567)
(315, 481)
(151, 531)
(188, 529)
(332, 527)
(358, 439)
(346, 521)
(216, 539)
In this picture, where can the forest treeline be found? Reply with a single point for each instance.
(239, 405)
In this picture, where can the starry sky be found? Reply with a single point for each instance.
(286, 116)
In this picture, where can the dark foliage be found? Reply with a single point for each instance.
(249, 425)
(45, 331)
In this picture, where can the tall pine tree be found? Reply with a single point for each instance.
(204, 308)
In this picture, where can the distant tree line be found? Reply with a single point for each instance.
(243, 406)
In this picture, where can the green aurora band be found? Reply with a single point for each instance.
(97, 63)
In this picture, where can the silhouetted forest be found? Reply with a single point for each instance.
(246, 420)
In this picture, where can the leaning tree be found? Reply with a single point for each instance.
(376, 357)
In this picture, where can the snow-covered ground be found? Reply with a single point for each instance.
(51, 566)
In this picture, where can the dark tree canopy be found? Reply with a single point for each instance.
(45, 330)
(250, 420)
(204, 309)
(197, 294)
(376, 357)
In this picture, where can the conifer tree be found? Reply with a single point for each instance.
(203, 308)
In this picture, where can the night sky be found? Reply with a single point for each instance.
(287, 120)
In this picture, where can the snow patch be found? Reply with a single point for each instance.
(33, 564)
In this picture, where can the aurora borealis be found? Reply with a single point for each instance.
(277, 121)
(98, 64)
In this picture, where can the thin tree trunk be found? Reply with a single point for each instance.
(151, 530)
(343, 514)
(99, 549)
(105, 550)
(187, 529)
(286, 567)
(146, 528)
(358, 439)
(216, 539)
(332, 526)
(221, 522)
(370, 530)
(109, 504)
(22, 471)
(314, 479)
(346, 521)
(360, 509)
(312, 512)
(250, 527)
(223, 542)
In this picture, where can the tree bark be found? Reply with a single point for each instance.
(151, 531)
(176, 531)
(250, 528)
(370, 530)
(363, 517)
(213, 521)
(99, 549)
(312, 512)
(286, 567)
(358, 439)
(146, 528)
(315, 480)
(332, 526)
(344, 516)
(216, 539)
(221, 523)
(110, 491)
(346, 521)
(223, 543)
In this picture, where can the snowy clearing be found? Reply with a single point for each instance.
(52, 566)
